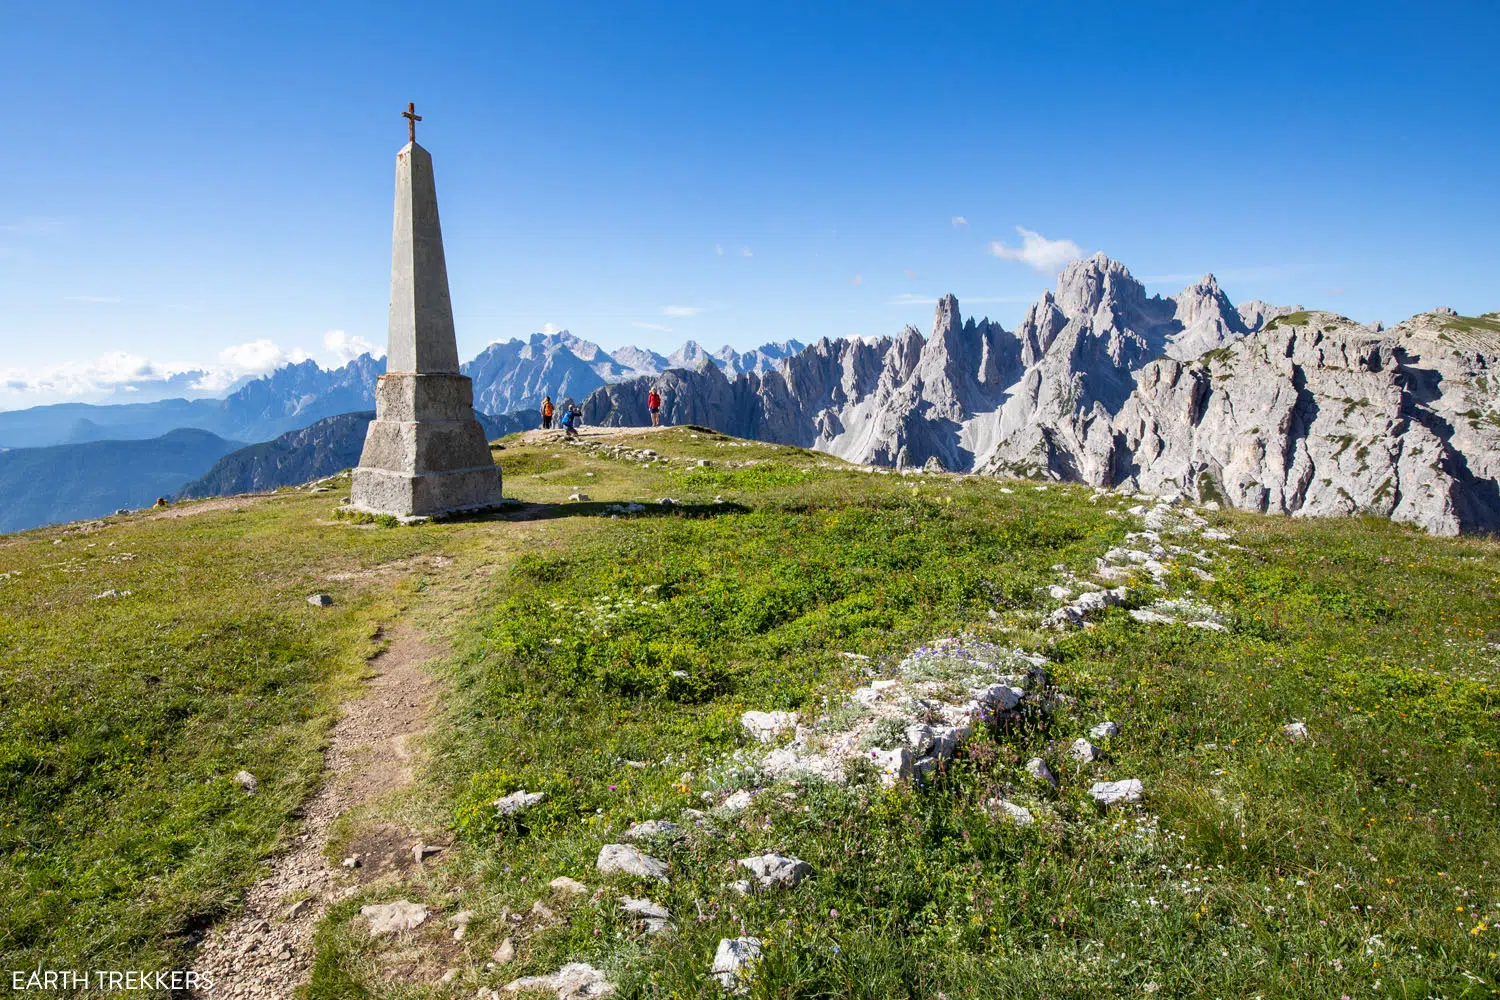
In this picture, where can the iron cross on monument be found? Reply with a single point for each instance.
(411, 116)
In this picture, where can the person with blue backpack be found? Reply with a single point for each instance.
(570, 421)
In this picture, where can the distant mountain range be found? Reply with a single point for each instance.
(508, 377)
(1265, 408)
(307, 421)
(70, 482)
(293, 396)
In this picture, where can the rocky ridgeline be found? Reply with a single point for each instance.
(1266, 408)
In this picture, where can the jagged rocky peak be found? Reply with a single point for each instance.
(1206, 300)
(1205, 318)
(946, 318)
(1086, 286)
(688, 356)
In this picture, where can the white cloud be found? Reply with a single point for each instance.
(108, 372)
(345, 347)
(746, 252)
(681, 312)
(857, 280)
(959, 222)
(258, 357)
(1038, 252)
(912, 275)
(118, 372)
(718, 249)
(552, 329)
(652, 326)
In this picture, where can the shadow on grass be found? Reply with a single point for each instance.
(601, 508)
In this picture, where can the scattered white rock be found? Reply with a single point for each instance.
(568, 886)
(505, 952)
(247, 781)
(352, 861)
(766, 726)
(737, 803)
(1084, 751)
(1105, 730)
(578, 497)
(627, 860)
(421, 852)
(1108, 793)
(321, 600)
(734, 962)
(1019, 815)
(1296, 731)
(775, 870)
(392, 918)
(574, 981)
(1087, 604)
(1038, 769)
(654, 829)
(892, 765)
(518, 801)
(460, 922)
(656, 918)
(644, 908)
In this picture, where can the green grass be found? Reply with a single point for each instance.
(606, 662)
(1290, 319)
(123, 718)
(1488, 323)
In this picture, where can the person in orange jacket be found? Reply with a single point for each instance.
(546, 413)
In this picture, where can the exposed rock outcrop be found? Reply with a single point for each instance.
(1266, 408)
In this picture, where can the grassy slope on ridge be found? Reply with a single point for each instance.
(608, 663)
(1357, 862)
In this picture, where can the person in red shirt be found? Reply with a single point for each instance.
(653, 403)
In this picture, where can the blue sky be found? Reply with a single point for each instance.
(210, 184)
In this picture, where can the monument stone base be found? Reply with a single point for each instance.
(424, 453)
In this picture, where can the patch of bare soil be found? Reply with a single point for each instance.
(195, 507)
(265, 951)
(588, 434)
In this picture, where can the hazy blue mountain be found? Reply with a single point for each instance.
(320, 449)
(71, 482)
(293, 396)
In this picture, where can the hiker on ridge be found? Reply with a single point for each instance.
(546, 413)
(653, 403)
(570, 421)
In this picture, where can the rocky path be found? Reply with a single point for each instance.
(266, 950)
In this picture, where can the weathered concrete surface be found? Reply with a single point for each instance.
(421, 323)
(424, 453)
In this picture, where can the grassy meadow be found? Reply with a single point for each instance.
(605, 658)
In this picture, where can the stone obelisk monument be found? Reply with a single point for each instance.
(424, 453)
